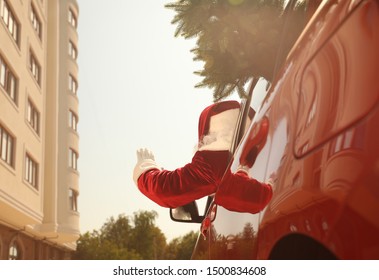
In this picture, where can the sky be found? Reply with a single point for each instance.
(136, 90)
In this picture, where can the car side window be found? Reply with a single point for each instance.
(259, 94)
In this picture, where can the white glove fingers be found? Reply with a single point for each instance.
(145, 161)
(139, 154)
(143, 154)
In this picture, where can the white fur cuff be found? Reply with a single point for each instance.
(142, 167)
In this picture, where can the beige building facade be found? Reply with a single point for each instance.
(39, 140)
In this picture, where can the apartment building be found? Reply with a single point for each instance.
(39, 141)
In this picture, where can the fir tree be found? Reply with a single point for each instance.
(236, 39)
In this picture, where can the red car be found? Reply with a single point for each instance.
(316, 135)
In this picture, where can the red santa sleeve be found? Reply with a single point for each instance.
(183, 185)
(240, 193)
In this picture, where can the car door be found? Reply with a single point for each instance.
(229, 237)
(233, 235)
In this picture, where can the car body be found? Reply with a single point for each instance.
(319, 143)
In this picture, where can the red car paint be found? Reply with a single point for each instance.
(321, 148)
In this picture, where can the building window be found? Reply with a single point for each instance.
(72, 18)
(73, 199)
(72, 84)
(14, 251)
(8, 80)
(35, 67)
(10, 20)
(73, 120)
(33, 116)
(36, 22)
(73, 159)
(31, 171)
(6, 147)
(72, 51)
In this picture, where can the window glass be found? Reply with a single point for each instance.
(6, 147)
(15, 32)
(36, 22)
(14, 251)
(72, 50)
(6, 14)
(35, 67)
(73, 120)
(4, 144)
(259, 94)
(33, 116)
(10, 26)
(72, 84)
(9, 19)
(12, 87)
(73, 200)
(7, 80)
(2, 73)
(71, 18)
(73, 158)
(31, 171)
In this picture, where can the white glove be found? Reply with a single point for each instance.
(145, 162)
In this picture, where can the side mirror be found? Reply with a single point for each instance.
(255, 142)
(188, 213)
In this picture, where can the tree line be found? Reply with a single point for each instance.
(133, 237)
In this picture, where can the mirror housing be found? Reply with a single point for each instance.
(188, 213)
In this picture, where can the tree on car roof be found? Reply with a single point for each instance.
(237, 39)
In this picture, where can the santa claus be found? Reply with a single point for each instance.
(203, 176)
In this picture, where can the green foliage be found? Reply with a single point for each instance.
(92, 246)
(135, 237)
(146, 238)
(228, 247)
(181, 248)
(236, 39)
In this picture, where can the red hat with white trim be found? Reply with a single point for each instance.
(212, 110)
(217, 123)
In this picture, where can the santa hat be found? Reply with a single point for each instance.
(216, 125)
